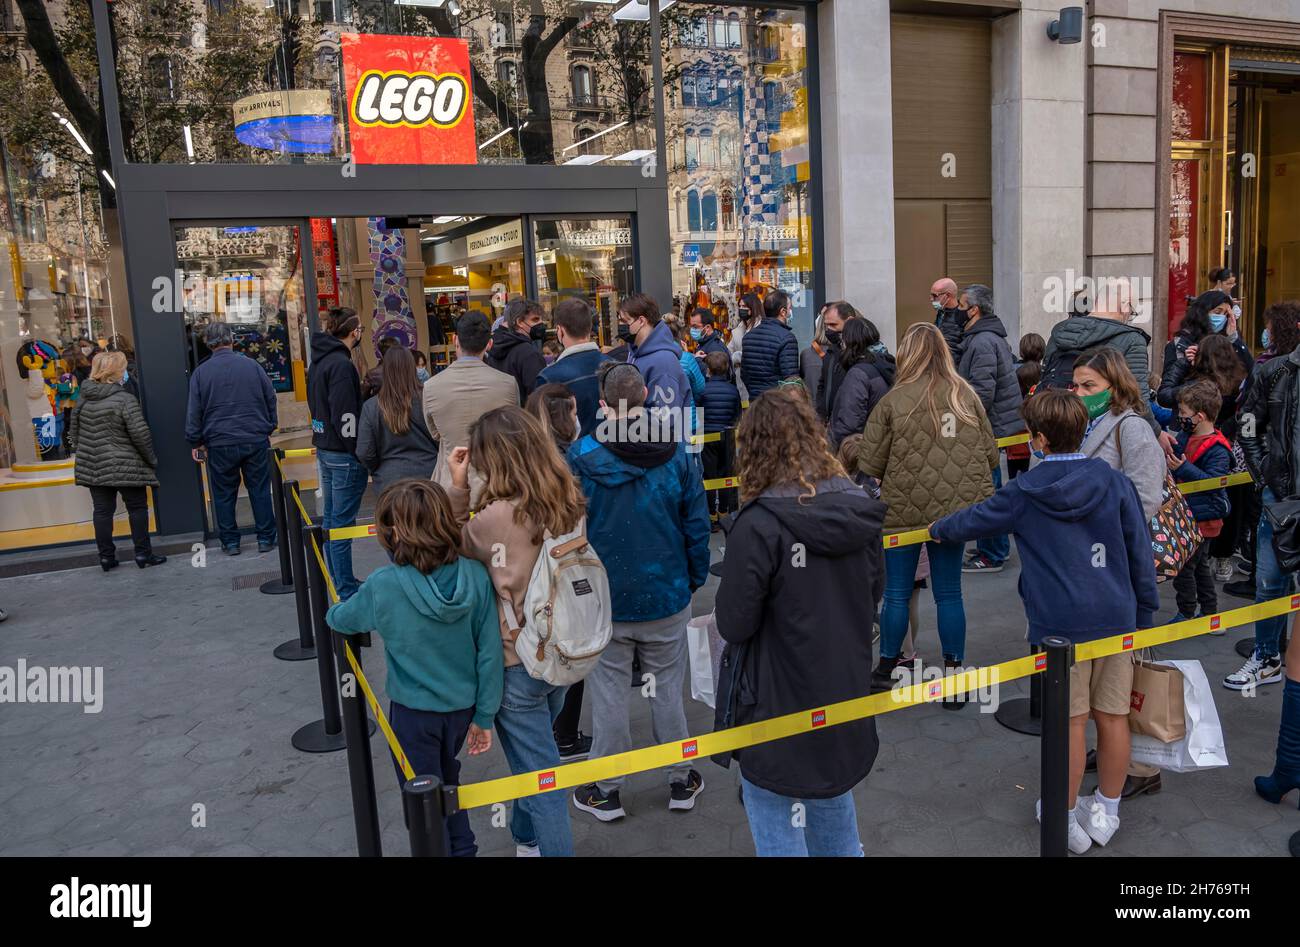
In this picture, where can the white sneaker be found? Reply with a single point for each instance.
(1254, 672)
(1092, 818)
(527, 851)
(1223, 570)
(1077, 840)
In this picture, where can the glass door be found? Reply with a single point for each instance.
(591, 258)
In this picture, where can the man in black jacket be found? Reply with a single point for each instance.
(230, 417)
(516, 346)
(769, 351)
(707, 338)
(949, 316)
(1268, 438)
(334, 398)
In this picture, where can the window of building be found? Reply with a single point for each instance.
(688, 89)
(693, 211)
(508, 74)
(692, 150)
(709, 212)
(733, 30)
(706, 88)
(708, 157)
(583, 91)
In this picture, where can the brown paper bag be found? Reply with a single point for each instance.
(1156, 704)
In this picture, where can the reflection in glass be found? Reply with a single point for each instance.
(587, 259)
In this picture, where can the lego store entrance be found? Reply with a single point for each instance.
(408, 278)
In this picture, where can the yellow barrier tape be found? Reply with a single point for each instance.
(301, 452)
(894, 540)
(1214, 483)
(705, 438)
(373, 701)
(361, 531)
(721, 483)
(1011, 439)
(723, 741)
(324, 570)
(297, 501)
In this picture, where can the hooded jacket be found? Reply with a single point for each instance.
(333, 395)
(1211, 458)
(769, 355)
(576, 369)
(798, 631)
(833, 372)
(1076, 335)
(110, 438)
(646, 518)
(658, 359)
(516, 355)
(863, 386)
(440, 635)
(989, 366)
(949, 322)
(1086, 569)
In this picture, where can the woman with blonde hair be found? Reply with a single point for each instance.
(931, 446)
(114, 454)
(798, 628)
(527, 492)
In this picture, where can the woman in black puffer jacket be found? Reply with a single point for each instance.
(114, 454)
(868, 374)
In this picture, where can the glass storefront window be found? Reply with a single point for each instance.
(264, 81)
(588, 259)
(739, 168)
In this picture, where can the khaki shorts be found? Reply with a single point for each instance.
(1103, 684)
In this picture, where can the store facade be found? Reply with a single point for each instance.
(414, 160)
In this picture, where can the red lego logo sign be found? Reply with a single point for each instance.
(690, 748)
(409, 99)
(819, 718)
(546, 780)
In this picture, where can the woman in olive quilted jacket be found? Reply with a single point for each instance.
(114, 454)
(930, 445)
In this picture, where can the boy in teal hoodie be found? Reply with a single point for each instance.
(437, 614)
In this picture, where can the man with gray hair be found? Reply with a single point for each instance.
(987, 363)
(228, 424)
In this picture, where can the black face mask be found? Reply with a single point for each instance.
(833, 336)
(625, 332)
(538, 332)
(1187, 425)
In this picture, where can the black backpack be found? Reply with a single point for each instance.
(1059, 371)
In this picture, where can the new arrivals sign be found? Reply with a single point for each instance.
(409, 99)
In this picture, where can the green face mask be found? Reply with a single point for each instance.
(1097, 404)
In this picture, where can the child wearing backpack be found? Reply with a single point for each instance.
(1201, 453)
(436, 612)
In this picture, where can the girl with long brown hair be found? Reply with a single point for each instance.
(931, 446)
(393, 440)
(798, 625)
(527, 492)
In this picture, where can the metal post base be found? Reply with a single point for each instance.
(1014, 715)
(276, 587)
(1294, 845)
(313, 739)
(1245, 647)
(292, 650)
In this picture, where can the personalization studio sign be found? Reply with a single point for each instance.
(409, 99)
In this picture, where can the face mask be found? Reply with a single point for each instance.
(86, 352)
(1186, 425)
(833, 336)
(1264, 339)
(1037, 453)
(625, 332)
(938, 306)
(1217, 321)
(697, 334)
(1097, 404)
(538, 332)
(550, 359)
(125, 376)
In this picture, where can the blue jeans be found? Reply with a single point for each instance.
(829, 830)
(996, 548)
(225, 464)
(1270, 582)
(342, 483)
(523, 725)
(945, 583)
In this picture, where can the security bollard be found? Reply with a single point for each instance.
(1054, 779)
(302, 648)
(357, 727)
(284, 584)
(324, 735)
(1024, 714)
(424, 805)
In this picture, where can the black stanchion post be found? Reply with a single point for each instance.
(357, 729)
(1055, 749)
(324, 735)
(284, 584)
(424, 805)
(1024, 714)
(302, 648)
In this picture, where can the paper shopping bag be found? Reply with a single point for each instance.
(1202, 747)
(1156, 706)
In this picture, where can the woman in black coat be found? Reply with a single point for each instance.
(1208, 314)
(867, 377)
(798, 626)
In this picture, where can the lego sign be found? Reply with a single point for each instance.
(409, 99)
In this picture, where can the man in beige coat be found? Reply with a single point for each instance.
(464, 391)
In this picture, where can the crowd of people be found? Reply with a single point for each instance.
(481, 465)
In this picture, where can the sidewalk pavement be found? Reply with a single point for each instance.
(190, 754)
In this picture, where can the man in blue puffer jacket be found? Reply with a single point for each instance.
(648, 522)
(654, 352)
(770, 351)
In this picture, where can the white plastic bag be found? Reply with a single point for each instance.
(1203, 747)
(702, 642)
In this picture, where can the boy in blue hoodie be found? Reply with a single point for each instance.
(1201, 453)
(1086, 572)
(437, 614)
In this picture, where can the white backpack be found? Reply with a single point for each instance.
(566, 622)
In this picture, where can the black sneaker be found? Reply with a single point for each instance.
(577, 750)
(230, 550)
(682, 795)
(603, 807)
(1241, 588)
(265, 547)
